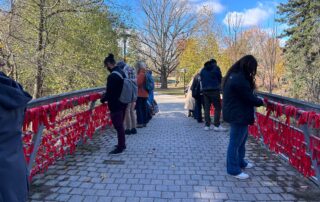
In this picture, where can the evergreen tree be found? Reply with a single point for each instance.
(302, 50)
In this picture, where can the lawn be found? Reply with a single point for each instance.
(171, 91)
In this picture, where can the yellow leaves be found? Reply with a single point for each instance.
(198, 50)
(280, 68)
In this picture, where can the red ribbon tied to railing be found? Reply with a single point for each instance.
(65, 125)
(283, 138)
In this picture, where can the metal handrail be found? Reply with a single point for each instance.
(291, 101)
(55, 99)
(59, 97)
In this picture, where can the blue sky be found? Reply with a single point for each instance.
(254, 12)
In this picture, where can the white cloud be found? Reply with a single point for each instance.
(249, 17)
(212, 5)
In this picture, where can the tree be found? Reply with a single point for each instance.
(234, 37)
(265, 46)
(302, 49)
(41, 22)
(204, 45)
(75, 37)
(168, 24)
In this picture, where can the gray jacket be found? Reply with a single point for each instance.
(13, 169)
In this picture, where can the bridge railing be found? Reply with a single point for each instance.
(290, 128)
(53, 126)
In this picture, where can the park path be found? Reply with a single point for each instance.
(173, 159)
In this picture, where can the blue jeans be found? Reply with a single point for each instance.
(237, 149)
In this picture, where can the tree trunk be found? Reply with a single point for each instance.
(270, 86)
(164, 79)
(40, 53)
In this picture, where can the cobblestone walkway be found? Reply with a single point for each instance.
(173, 159)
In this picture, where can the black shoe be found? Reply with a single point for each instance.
(144, 125)
(200, 121)
(116, 146)
(117, 150)
(133, 131)
(127, 132)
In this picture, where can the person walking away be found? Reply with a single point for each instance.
(211, 84)
(143, 95)
(239, 101)
(130, 122)
(13, 168)
(189, 102)
(112, 95)
(198, 96)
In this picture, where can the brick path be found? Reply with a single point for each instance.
(173, 159)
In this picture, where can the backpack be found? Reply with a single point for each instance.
(149, 82)
(129, 91)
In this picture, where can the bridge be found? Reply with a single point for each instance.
(67, 139)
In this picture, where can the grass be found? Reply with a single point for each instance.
(171, 91)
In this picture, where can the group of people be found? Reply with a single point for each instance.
(126, 117)
(239, 100)
(203, 92)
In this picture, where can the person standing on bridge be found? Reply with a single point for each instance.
(112, 95)
(13, 168)
(142, 110)
(198, 96)
(130, 120)
(211, 78)
(239, 101)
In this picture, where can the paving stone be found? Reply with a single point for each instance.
(102, 192)
(91, 199)
(220, 196)
(64, 190)
(63, 197)
(262, 197)
(76, 198)
(141, 194)
(274, 197)
(119, 199)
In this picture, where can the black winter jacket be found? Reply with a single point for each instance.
(239, 100)
(196, 87)
(211, 78)
(113, 90)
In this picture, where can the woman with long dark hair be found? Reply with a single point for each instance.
(239, 101)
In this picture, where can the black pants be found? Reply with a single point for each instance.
(212, 97)
(142, 110)
(198, 108)
(117, 121)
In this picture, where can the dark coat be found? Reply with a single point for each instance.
(113, 90)
(196, 87)
(211, 78)
(239, 100)
(13, 169)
